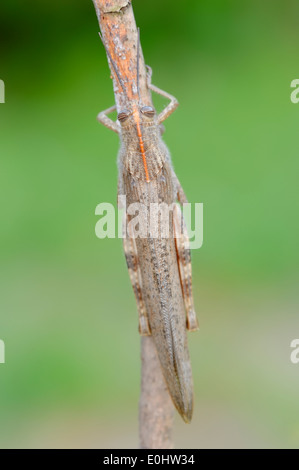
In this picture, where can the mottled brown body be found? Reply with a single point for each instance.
(159, 266)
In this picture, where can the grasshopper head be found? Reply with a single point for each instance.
(138, 115)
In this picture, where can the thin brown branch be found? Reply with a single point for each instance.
(155, 407)
(119, 31)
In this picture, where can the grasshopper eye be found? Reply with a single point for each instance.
(148, 111)
(123, 115)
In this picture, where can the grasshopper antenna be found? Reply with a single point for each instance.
(114, 67)
(138, 54)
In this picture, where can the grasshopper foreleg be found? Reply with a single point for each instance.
(103, 119)
(173, 101)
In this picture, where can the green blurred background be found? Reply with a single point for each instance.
(67, 311)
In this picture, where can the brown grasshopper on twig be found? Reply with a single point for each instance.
(159, 266)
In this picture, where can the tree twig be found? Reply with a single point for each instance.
(119, 32)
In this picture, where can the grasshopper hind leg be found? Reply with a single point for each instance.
(136, 281)
(184, 263)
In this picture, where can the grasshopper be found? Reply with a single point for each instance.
(159, 267)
